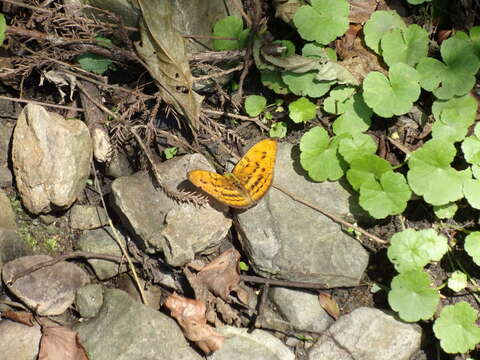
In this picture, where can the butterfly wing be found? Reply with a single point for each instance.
(255, 169)
(220, 187)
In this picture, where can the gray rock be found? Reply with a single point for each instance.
(295, 310)
(258, 345)
(6, 177)
(7, 217)
(18, 341)
(287, 240)
(87, 217)
(5, 137)
(162, 224)
(89, 300)
(153, 293)
(101, 241)
(367, 334)
(50, 290)
(12, 246)
(51, 159)
(118, 166)
(125, 329)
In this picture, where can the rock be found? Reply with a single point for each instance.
(6, 177)
(368, 334)
(12, 246)
(51, 159)
(7, 217)
(102, 241)
(153, 293)
(87, 217)
(125, 329)
(293, 311)
(89, 300)
(287, 240)
(162, 224)
(50, 290)
(5, 137)
(240, 345)
(18, 341)
(118, 165)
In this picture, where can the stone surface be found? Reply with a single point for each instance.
(293, 311)
(18, 341)
(118, 165)
(287, 240)
(50, 290)
(153, 293)
(12, 246)
(87, 217)
(89, 300)
(51, 159)
(7, 217)
(240, 345)
(164, 225)
(101, 241)
(368, 334)
(6, 177)
(5, 136)
(125, 329)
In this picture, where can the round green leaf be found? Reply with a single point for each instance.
(471, 189)
(457, 281)
(302, 110)
(357, 145)
(230, 27)
(446, 211)
(339, 100)
(457, 329)
(407, 45)
(393, 95)
(255, 104)
(407, 252)
(365, 168)
(323, 21)
(305, 84)
(273, 81)
(94, 63)
(278, 130)
(472, 246)
(378, 25)
(412, 297)
(3, 28)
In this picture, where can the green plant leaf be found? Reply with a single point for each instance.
(417, 2)
(412, 297)
(339, 99)
(456, 74)
(471, 147)
(446, 211)
(302, 110)
(94, 63)
(3, 28)
(457, 329)
(393, 95)
(431, 175)
(472, 246)
(475, 171)
(471, 189)
(475, 38)
(319, 156)
(305, 84)
(255, 104)
(386, 197)
(407, 45)
(230, 27)
(378, 25)
(273, 81)
(323, 21)
(278, 130)
(366, 168)
(457, 281)
(170, 152)
(103, 41)
(356, 146)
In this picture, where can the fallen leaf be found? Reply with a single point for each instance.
(60, 343)
(328, 303)
(221, 275)
(22, 317)
(360, 10)
(190, 315)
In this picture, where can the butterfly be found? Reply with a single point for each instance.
(249, 180)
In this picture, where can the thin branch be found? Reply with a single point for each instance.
(41, 103)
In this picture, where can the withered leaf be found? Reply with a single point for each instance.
(360, 10)
(163, 50)
(22, 317)
(221, 275)
(60, 343)
(190, 315)
(328, 303)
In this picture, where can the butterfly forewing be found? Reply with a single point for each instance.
(255, 169)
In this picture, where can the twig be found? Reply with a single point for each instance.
(219, 73)
(256, 120)
(400, 146)
(98, 104)
(41, 103)
(284, 283)
(331, 216)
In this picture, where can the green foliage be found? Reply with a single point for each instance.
(412, 297)
(255, 104)
(378, 25)
(446, 211)
(302, 110)
(393, 95)
(278, 130)
(323, 21)
(366, 168)
(273, 81)
(94, 63)
(471, 190)
(230, 27)
(3, 28)
(472, 246)
(170, 152)
(305, 84)
(455, 76)
(457, 281)
(356, 145)
(318, 155)
(431, 175)
(457, 329)
(407, 45)
(417, 2)
(471, 147)
(475, 38)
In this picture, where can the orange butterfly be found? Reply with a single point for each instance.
(249, 180)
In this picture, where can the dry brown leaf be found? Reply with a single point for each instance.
(328, 303)
(60, 343)
(22, 317)
(221, 275)
(360, 10)
(190, 315)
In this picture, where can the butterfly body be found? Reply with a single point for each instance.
(249, 180)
